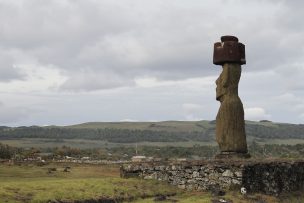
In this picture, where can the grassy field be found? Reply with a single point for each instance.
(89, 144)
(32, 183)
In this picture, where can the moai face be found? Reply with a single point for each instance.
(227, 82)
(228, 51)
(221, 86)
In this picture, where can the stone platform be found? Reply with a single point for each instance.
(266, 176)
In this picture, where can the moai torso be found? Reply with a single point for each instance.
(230, 124)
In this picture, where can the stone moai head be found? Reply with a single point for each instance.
(227, 82)
(227, 52)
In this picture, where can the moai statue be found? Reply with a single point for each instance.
(230, 123)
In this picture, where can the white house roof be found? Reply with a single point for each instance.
(138, 157)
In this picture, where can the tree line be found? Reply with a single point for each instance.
(280, 131)
(107, 134)
(7, 152)
(167, 152)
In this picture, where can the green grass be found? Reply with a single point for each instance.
(183, 198)
(282, 141)
(89, 144)
(44, 189)
(31, 183)
(52, 143)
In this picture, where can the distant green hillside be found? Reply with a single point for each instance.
(169, 126)
(166, 131)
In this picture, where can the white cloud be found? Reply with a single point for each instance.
(12, 114)
(201, 82)
(146, 59)
(256, 113)
(87, 80)
(192, 111)
(128, 120)
(36, 78)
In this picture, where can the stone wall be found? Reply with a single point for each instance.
(270, 177)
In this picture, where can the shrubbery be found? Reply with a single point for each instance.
(6, 152)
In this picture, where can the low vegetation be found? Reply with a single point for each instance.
(169, 131)
(124, 153)
(32, 183)
(23, 180)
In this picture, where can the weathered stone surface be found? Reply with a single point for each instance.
(230, 124)
(195, 174)
(229, 50)
(238, 174)
(270, 177)
(227, 173)
(274, 177)
(182, 186)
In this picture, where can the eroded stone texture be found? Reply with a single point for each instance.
(230, 124)
(269, 177)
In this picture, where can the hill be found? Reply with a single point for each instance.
(166, 131)
(169, 126)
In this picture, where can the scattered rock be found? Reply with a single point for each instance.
(50, 170)
(220, 201)
(228, 173)
(195, 174)
(235, 182)
(160, 198)
(181, 186)
(238, 174)
(217, 191)
(67, 169)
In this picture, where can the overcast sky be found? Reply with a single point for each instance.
(72, 61)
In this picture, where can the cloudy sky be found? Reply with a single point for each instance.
(71, 61)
